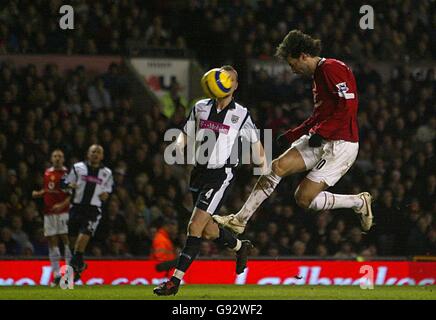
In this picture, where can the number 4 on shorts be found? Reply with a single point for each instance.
(208, 194)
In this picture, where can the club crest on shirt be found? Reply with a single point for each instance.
(234, 118)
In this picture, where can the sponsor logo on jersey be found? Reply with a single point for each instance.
(92, 179)
(214, 126)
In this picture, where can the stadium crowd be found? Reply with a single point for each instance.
(40, 112)
(218, 30)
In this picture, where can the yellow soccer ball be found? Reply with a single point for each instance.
(216, 83)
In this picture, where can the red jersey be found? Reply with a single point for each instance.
(335, 99)
(53, 193)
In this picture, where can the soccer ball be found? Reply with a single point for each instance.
(216, 83)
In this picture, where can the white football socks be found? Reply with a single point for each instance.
(67, 254)
(262, 190)
(54, 255)
(326, 200)
(178, 274)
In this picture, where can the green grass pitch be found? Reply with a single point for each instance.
(220, 292)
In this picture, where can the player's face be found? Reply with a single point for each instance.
(299, 65)
(57, 159)
(95, 154)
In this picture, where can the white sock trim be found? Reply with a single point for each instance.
(327, 200)
(178, 274)
(238, 245)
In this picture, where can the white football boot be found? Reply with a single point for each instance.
(230, 222)
(365, 211)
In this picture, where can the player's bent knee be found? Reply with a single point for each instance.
(194, 228)
(278, 168)
(303, 201)
(208, 236)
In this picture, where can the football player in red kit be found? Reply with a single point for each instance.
(326, 144)
(56, 205)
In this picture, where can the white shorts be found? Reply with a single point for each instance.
(330, 161)
(55, 224)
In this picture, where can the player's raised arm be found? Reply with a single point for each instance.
(38, 193)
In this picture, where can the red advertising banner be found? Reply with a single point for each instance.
(263, 272)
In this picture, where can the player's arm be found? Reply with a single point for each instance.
(336, 81)
(38, 193)
(250, 133)
(107, 188)
(61, 205)
(293, 134)
(259, 157)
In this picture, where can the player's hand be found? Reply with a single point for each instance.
(104, 196)
(58, 207)
(315, 141)
(37, 194)
(72, 185)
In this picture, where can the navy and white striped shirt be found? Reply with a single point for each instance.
(91, 182)
(229, 126)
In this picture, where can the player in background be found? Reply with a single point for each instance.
(327, 143)
(210, 183)
(56, 205)
(91, 183)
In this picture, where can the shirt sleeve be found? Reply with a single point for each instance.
(71, 177)
(189, 126)
(249, 130)
(108, 185)
(295, 133)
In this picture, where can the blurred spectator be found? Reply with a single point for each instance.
(99, 96)
(163, 247)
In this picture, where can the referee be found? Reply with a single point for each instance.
(91, 183)
(228, 123)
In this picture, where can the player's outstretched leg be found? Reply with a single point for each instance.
(309, 196)
(262, 190)
(288, 163)
(360, 203)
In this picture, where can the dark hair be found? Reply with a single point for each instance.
(295, 43)
(228, 67)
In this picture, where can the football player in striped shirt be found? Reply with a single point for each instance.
(224, 125)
